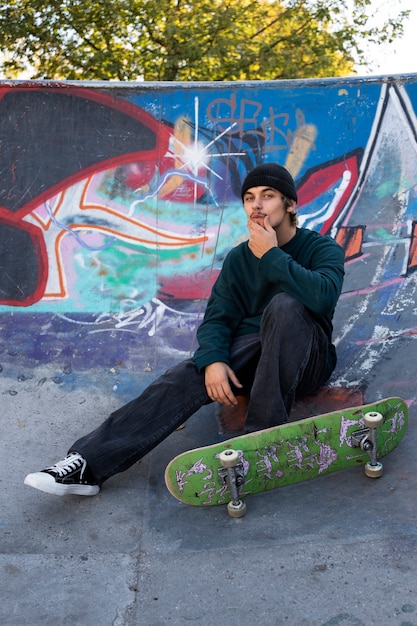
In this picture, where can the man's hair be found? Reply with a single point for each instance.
(288, 202)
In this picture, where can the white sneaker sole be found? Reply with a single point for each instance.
(45, 482)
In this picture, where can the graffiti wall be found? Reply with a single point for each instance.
(119, 202)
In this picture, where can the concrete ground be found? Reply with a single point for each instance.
(338, 550)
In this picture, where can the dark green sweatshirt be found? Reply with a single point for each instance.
(310, 267)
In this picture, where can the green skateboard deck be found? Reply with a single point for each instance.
(288, 454)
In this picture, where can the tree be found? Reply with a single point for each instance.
(183, 40)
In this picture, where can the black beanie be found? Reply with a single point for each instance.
(271, 175)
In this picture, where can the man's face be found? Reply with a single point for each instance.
(260, 202)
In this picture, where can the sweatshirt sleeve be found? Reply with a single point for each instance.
(317, 283)
(222, 318)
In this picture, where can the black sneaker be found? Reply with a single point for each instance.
(70, 476)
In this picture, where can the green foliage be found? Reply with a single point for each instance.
(167, 40)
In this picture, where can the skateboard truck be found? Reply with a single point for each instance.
(366, 440)
(231, 473)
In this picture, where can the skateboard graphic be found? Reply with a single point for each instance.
(226, 472)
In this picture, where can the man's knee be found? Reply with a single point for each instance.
(287, 316)
(283, 306)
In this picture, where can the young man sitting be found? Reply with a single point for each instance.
(267, 330)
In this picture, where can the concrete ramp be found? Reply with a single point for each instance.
(119, 202)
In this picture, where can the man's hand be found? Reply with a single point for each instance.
(261, 238)
(217, 380)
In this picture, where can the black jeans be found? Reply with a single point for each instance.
(286, 359)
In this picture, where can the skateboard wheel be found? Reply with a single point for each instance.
(236, 510)
(229, 458)
(373, 419)
(374, 471)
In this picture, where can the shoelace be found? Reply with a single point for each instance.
(68, 465)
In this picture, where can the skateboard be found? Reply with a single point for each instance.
(226, 472)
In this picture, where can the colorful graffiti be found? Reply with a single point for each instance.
(118, 204)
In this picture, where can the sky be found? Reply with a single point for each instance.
(400, 57)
